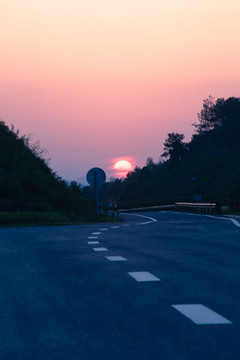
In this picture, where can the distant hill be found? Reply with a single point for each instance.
(27, 183)
(82, 181)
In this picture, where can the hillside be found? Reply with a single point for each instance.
(28, 184)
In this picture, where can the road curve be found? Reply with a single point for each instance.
(164, 286)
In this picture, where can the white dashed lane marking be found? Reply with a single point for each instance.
(116, 258)
(100, 249)
(143, 276)
(197, 313)
(200, 314)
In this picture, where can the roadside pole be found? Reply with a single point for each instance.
(96, 177)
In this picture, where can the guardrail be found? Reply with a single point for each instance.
(149, 208)
(200, 207)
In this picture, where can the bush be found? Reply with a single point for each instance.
(26, 217)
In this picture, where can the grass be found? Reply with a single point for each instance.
(225, 209)
(33, 218)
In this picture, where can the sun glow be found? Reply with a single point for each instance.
(122, 167)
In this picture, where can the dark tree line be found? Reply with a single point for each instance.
(212, 157)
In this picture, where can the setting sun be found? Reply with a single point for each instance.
(122, 167)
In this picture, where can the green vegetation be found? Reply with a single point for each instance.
(30, 218)
(208, 165)
(30, 192)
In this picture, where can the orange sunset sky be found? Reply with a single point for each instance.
(99, 80)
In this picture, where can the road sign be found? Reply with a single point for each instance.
(197, 197)
(96, 177)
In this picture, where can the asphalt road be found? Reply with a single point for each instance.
(61, 298)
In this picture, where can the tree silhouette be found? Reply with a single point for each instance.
(218, 114)
(174, 147)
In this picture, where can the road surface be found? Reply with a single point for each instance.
(164, 286)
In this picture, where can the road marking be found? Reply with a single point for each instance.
(96, 233)
(93, 242)
(93, 237)
(200, 314)
(143, 276)
(116, 258)
(100, 249)
(234, 221)
(126, 225)
(147, 217)
(104, 229)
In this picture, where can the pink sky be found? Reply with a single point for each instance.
(98, 80)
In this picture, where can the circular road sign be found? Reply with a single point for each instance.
(96, 177)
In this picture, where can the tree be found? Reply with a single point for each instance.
(174, 147)
(75, 188)
(218, 114)
(206, 117)
(150, 163)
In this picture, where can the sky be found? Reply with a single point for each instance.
(96, 81)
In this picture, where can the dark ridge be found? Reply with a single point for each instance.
(28, 184)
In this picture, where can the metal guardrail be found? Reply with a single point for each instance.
(186, 204)
(151, 208)
(202, 207)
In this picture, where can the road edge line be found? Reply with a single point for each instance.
(147, 217)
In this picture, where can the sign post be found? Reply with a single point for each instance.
(96, 177)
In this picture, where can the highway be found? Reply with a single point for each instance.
(158, 285)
